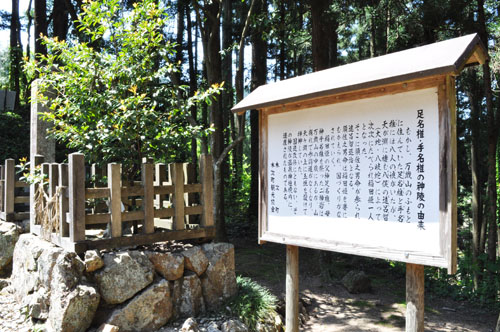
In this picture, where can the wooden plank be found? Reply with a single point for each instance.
(21, 199)
(189, 196)
(193, 210)
(76, 188)
(164, 213)
(148, 204)
(136, 190)
(292, 289)
(21, 184)
(93, 193)
(37, 160)
(10, 177)
(133, 215)
(115, 199)
(2, 194)
(160, 177)
(53, 178)
(193, 188)
(177, 176)
(142, 239)
(207, 194)
(63, 201)
(401, 87)
(164, 190)
(414, 298)
(98, 218)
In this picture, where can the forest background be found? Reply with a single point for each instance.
(206, 55)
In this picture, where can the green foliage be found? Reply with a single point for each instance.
(253, 303)
(14, 135)
(34, 176)
(118, 103)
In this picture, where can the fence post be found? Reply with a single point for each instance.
(2, 189)
(189, 198)
(207, 194)
(115, 199)
(177, 177)
(53, 178)
(36, 161)
(63, 201)
(76, 187)
(148, 203)
(160, 178)
(10, 181)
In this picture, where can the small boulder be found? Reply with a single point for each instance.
(38, 304)
(219, 280)
(195, 260)
(356, 282)
(9, 235)
(213, 327)
(93, 260)
(190, 325)
(124, 275)
(170, 266)
(148, 311)
(108, 328)
(234, 325)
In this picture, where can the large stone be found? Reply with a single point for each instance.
(124, 275)
(191, 301)
(9, 234)
(93, 260)
(190, 325)
(38, 304)
(148, 311)
(356, 282)
(219, 280)
(170, 266)
(234, 325)
(195, 260)
(73, 311)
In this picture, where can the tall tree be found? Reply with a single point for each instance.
(40, 25)
(16, 51)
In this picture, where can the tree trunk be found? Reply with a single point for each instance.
(192, 79)
(40, 25)
(15, 51)
(259, 75)
(60, 19)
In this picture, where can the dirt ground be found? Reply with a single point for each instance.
(333, 308)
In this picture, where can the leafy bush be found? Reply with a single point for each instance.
(254, 303)
(114, 98)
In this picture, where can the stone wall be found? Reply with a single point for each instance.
(136, 290)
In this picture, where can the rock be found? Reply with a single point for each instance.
(38, 304)
(190, 325)
(356, 282)
(213, 327)
(74, 311)
(93, 260)
(148, 311)
(234, 325)
(191, 301)
(124, 274)
(219, 280)
(108, 328)
(4, 283)
(9, 235)
(195, 260)
(169, 265)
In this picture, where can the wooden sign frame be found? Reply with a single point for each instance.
(445, 85)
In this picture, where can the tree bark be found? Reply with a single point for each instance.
(15, 51)
(60, 19)
(40, 25)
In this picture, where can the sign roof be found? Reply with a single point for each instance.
(445, 57)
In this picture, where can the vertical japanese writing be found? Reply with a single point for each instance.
(420, 170)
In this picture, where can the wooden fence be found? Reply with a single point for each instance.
(161, 206)
(13, 198)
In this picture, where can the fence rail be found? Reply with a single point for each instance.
(162, 204)
(13, 199)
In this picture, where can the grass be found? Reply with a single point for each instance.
(254, 303)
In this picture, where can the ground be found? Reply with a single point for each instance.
(333, 308)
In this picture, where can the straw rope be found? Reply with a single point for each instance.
(47, 211)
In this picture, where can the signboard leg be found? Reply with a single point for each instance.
(292, 288)
(414, 298)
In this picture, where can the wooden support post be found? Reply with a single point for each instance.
(177, 176)
(10, 181)
(76, 187)
(63, 201)
(148, 204)
(189, 178)
(115, 199)
(292, 289)
(207, 194)
(160, 178)
(2, 189)
(53, 178)
(37, 161)
(414, 298)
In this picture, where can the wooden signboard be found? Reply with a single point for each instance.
(361, 159)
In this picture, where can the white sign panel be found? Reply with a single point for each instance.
(364, 172)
